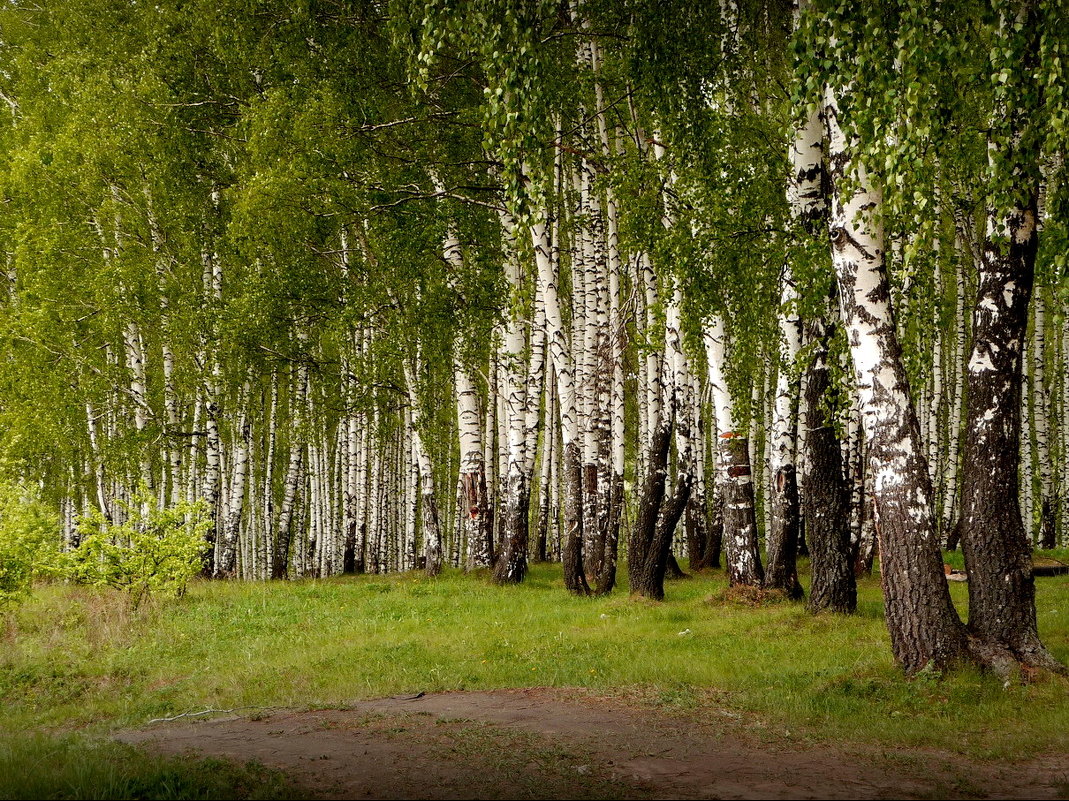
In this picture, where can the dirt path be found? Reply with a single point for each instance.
(543, 743)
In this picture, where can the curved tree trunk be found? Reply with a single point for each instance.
(997, 550)
(924, 627)
(995, 544)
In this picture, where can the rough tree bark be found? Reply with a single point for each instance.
(924, 627)
(826, 504)
(996, 547)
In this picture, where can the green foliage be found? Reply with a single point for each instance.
(153, 551)
(29, 541)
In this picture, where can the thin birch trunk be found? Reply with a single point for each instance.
(560, 354)
(511, 565)
(782, 537)
(226, 567)
(284, 536)
(1040, 399)
(432, 535)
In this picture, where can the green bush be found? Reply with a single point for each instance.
(154, 551)
(29, 541)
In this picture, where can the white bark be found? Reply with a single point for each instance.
(1040, 397)
(923, 625)
(232, 522)
(715, 341)
(785, 414)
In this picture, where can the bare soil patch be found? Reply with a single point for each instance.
(551, 743)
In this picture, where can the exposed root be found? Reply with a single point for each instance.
(1015, 666)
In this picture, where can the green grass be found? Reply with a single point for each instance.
(70, 766)
(81, 659)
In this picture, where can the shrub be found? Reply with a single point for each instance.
(29, 541)
(153, 550)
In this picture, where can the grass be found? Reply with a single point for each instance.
(72, 766)
(78, 659)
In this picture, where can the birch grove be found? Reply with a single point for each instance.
(560, 298)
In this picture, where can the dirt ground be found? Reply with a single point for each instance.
(548, 743)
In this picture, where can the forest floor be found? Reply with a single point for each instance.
(579, 743)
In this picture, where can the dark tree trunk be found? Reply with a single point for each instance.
(511, 564)
(697, 525)
(1002, 601)
(572, 545)
(673, 570)
(649, 545)
(542, 542)
(1046, 525)
(593, 534)
(827, 496)
(782, 572)
(349, 553)
(606, 578)
(281, 557)
(953, 535)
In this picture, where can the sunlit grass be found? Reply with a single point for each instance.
(75, 658)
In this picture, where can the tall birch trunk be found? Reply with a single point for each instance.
(227, 564)
(924, 627)
(1040, 399)
(560, 354)
(1002, 607)
(284, 530)
(511, 564)
(432, 534)
(782, 538)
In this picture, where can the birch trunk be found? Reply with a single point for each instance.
(284, 530)
(511, 564)
(826, 501)
(546, 470)
(616, 332)
(735, 477)
(782, 538)
(1002, 606)
(227, 565)
(951, 517)
(560, 354)
(472, 470)
(924, 627)
(1040, 399)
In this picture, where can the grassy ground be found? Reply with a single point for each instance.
(80, 660)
